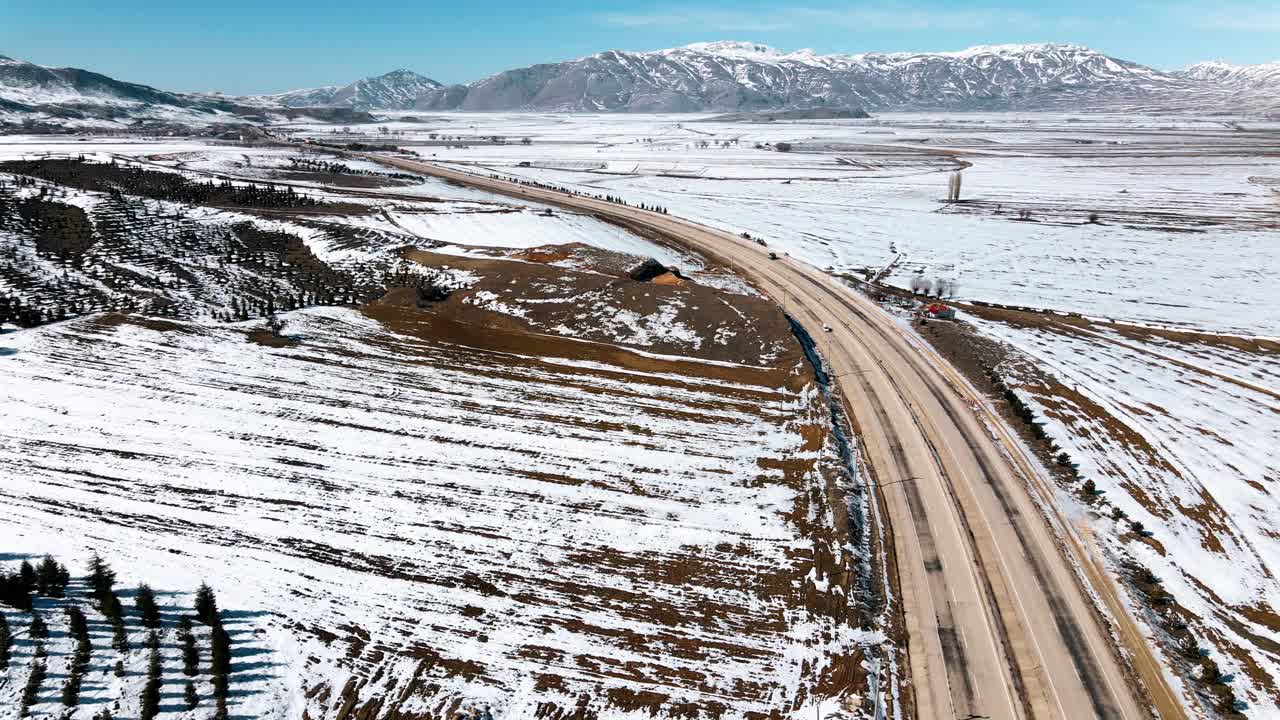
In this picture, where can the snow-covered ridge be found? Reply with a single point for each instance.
(1218, 71)
(748, 76)
(734, 48)
(760, 51)
(396, 90)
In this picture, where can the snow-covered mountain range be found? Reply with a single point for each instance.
(719, 76)
(736, 76)
(745, 76)
(35, 97)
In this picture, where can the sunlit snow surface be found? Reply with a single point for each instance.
(1187, 218)
(507, 528)
(1189, 451)
(1187, 206)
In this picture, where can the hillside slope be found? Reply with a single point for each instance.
(35, 97)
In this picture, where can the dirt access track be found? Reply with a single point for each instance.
(995, 581)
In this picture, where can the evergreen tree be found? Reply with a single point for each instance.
(14, 591)
(32, 688)
(102, 579)
(221, 685)
(28, 575)
(119, 637)
(220, 657)
(155, 669)
(47, 577)
(71, 691)
(63, 579)
(207, 606)
(6, 643)
(147, 608)
(190, 696)
(39, 630)
(190, 652)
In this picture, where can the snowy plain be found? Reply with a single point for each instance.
(1186, 206)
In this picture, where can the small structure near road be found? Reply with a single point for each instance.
(939, 311)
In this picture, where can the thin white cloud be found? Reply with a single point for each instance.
(712, 20)
(1254, 20)
(854, 18)
(1228, 17)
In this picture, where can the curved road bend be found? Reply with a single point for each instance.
(998, 624)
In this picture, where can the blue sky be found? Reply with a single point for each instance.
(239, 46)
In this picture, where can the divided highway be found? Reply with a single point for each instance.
(999, 624)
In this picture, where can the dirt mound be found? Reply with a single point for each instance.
(647, 270)
(670, 315)
(545, 255)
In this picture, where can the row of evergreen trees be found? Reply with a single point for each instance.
(119, 229)
(102, 580)
(117, 179)
(337, 168)
(50, 578)
(6, 643)
(80, 661)
(207, 612)
(570, 191)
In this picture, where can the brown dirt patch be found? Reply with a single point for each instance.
(541, 299)
(115, 320)
(544, 255)
(268, 339)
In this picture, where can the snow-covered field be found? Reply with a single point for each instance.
(493, 502)
(1187, 451)
(1186, 207)
(395, 511)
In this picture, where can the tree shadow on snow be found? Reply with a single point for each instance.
(239, 670)
(247, 652)
(239, 617)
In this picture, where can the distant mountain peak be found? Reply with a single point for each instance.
(1264, 75)
(395, 90)
(402, 75)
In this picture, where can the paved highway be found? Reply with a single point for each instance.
(999, 623)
